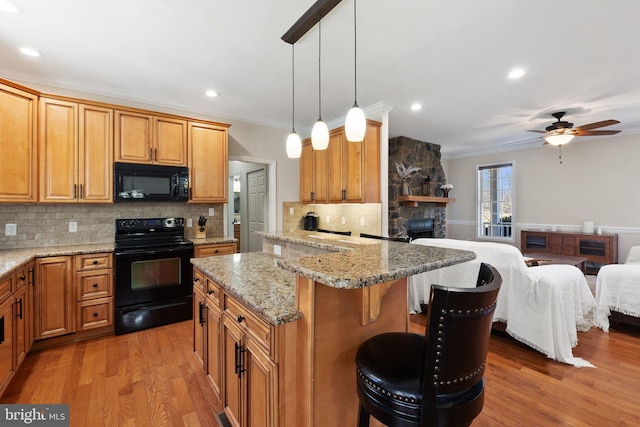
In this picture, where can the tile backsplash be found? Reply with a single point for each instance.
(354, 215)
(48, 224)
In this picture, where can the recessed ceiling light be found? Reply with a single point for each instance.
(7, 6)
(516, 73)
(416, 107)
(30, 51)
(212, 93)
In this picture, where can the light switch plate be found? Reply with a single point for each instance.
(291, 211)
(362, 222)
(212, 211)
(73, 227)
(344, 220)
(277, 249)
(10, 229)
(328, 219)
(189, 222)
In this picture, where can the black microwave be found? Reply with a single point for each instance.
(138, 182)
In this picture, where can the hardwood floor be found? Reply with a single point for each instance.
(152, 378)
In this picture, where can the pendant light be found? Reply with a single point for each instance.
(294, 145)
(355, 125)
(320, 131)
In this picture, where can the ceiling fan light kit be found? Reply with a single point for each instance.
(559, 139)
(562, 132)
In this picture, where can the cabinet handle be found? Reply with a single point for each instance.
(344, 195)
(75, 191)
(95, 262)
(95, 314)
(155, 154)
(150, 154)
(190, 194)
(23, 277)
(95, 285)
(240, 318)
(210, 291)
(19, 315)
(82, 191)
(196, 280)
(202, 306)
(1, 329)
(313, 196)
(239, 359)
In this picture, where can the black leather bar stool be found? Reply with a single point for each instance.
(406, 379)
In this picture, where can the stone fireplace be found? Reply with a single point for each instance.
(426, 156)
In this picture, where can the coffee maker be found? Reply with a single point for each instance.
(311, 221)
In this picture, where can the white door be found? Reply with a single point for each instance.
(257, 207)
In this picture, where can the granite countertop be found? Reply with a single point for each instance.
(330, 242)
(374, 263)
(212, 240)
(12, 258)
(255, 279)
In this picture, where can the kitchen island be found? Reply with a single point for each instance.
(310, 314)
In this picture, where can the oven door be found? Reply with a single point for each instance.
(152, 275)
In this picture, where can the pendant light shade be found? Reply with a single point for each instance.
(294, 145)
(355, 125)
(320, 131)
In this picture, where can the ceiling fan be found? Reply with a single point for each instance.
(561, 132)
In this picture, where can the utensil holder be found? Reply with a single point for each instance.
(201, 234)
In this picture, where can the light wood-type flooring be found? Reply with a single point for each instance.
(152, 378)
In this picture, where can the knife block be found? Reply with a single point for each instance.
(201, 234)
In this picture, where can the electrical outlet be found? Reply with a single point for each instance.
(362, 222)
(328, 219)
(277, 249)
(73, 227)
(10, 229)
(189, 222)
(291, 211)
(344, 220)
(212, 211)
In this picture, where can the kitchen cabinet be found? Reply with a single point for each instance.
(313, 174)
(54, 297)
(6, 342)
(199, 319)
(94, 290)
(250, 375)
(213, 333)
(208, 163)
(150, 139)
(215, 249)
(23, 312)
(347, 172)
(18, 127)
(75, 146)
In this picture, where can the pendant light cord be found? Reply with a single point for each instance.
(319, 70)
(293, 87)
(355, 59)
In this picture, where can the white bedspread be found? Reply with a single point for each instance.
(617, 288)
(543, 307)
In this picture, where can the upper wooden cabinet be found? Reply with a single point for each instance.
(208, 163)
(18, 162)
(347, 172)
(75, 147)
(145, 138)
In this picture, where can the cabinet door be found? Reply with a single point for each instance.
(232, 384)
(6, 342)
(208, 163)
(170, 141)
(306, 173)
(320, 176)
(133, 137)
(31, 271)
(261, 375)
(58, 151)
(95, 154)
(20, 314)
(199, 325)
(19, 161)
(370, 164)
(335, 165)
(214, 324)
(54, 297)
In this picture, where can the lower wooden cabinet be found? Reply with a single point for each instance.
(6, 342)
(215, 249)
(54, 303)
(94, 290)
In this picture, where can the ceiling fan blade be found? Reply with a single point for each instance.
(597, 125)
(596, 132)
(537, 131)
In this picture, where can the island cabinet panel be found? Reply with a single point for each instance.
(213, 344)
(200, 319)
(208, 163)
(54, 297)
(18, 128)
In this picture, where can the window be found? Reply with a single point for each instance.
(495, 201)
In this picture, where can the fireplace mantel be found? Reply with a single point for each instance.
(414, 200)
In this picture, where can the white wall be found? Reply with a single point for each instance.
(598, 181)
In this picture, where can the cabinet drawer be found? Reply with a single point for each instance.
(94, 284)
(213, 250)
(198, 279)
(259, 330)
(213, 292)
(95, 313)
(6, 287)
(94, 261)
(21, 277)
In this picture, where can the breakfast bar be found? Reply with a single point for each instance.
(292, 326)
